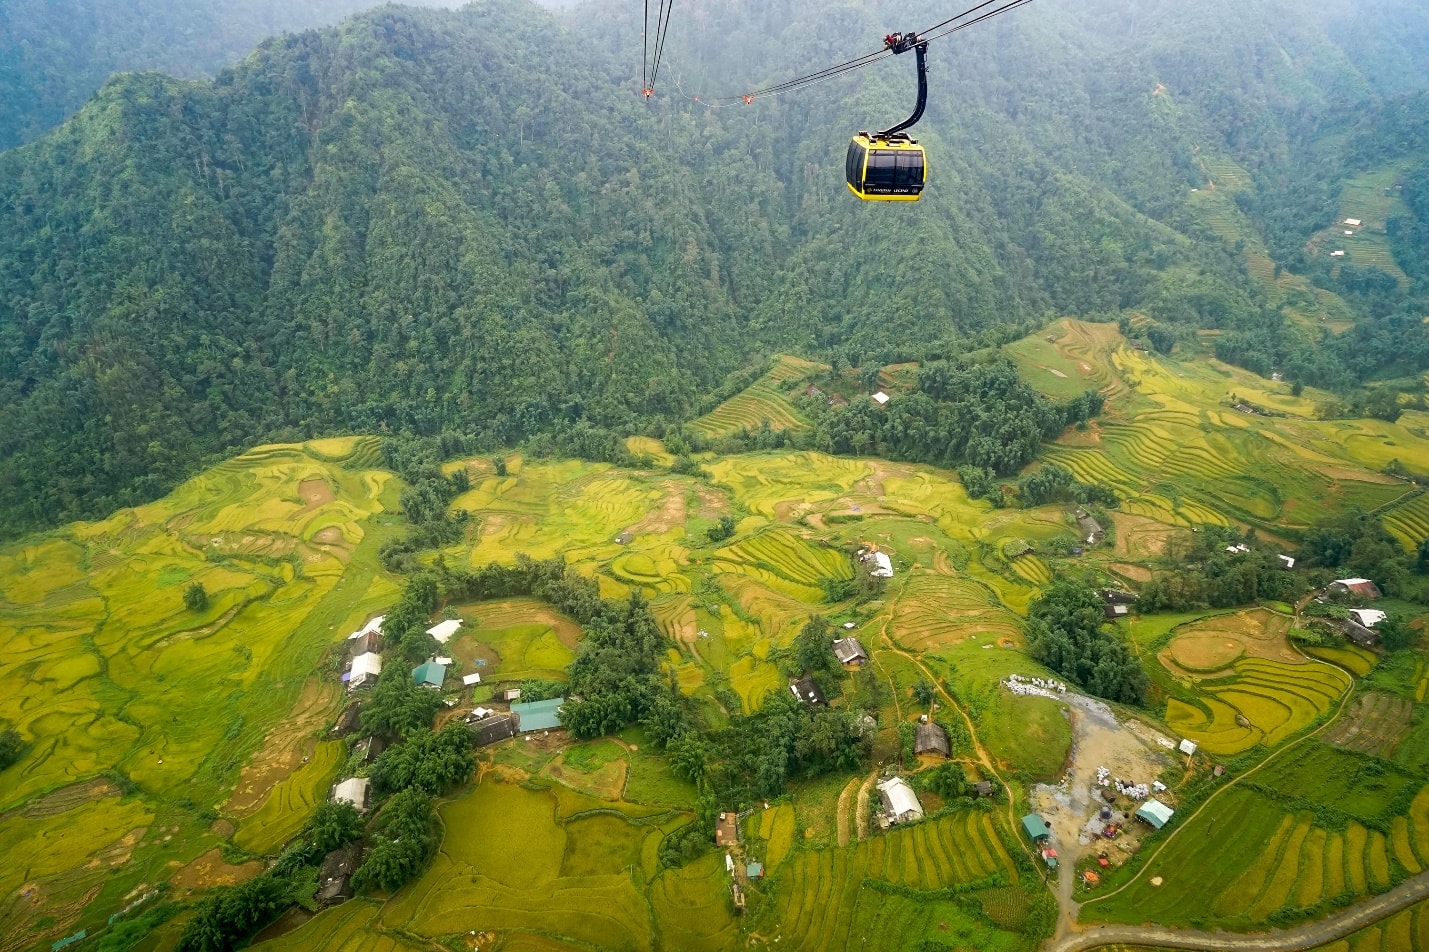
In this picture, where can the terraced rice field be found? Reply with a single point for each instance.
(819, 896)
(784, 562)
(1247, 857)
(1369, 198)
(1208, 647)
(1409, 520)
(762, 403)
(104, 668)
(1274, 701)
(936, 610)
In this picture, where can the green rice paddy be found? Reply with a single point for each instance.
(114, 683)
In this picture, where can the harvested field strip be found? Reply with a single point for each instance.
(1373, 725)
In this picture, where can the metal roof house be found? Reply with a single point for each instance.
(1035, 827)
(931, 739)
(430, 674)
(538, 715)
(1369, 617)
(443, 631)
(365, 669)
(849, 651)
(1155, 812)
(491, 729)
(353, 790)
(900, 803)
(883, 565)
(1362, 587)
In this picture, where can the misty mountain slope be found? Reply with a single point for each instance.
(55, 53)
(468, 221)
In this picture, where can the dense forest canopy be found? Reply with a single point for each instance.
(465, 221)
(55, 53)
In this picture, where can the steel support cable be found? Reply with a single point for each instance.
(858, 62)
(645, 54)
(662, 30)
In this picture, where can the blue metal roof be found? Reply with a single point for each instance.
(539, 715)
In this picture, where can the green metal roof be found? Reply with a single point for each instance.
(1035, 826)
(538, 715)
(1155, 812)
(429, 673)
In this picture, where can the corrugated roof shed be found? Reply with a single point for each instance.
(443, 631)
(538, 715)
(1155, 812)
(430, 674)
(1035, 827)
(899, 801)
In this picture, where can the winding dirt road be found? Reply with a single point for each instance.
(1412, 890)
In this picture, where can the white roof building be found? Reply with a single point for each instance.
(375, 625)
(1337, 254)
(1287, 561)
(469, 679)
(365, 666)
(881, 398)
(1369, 617)
(353, 791)
(1353, 222)
(899, 801)
(885, 565)
(1188, 746)
(444, 631)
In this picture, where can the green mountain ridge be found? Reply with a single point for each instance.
(466, 221)
(55, 53)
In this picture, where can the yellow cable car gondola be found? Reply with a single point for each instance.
(891, 166)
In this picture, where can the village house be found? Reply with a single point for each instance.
(347, 722)
(335, 875)
(354, 790)
(365, 669)
(430, 674)
(849, 651)
(930, 738)
(442, 632)
(900, 803)
(1368, 617)
(370, 748)
(1155, 812)
(538, 715)
(491, 728)
(807, 691)
(1036, 828)
(1092, 530)
(1352, 587)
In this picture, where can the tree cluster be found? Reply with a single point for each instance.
(1202, 574)
(1065, 632)
(430, 762)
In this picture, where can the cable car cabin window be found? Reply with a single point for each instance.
(894, 172)
(853, 166)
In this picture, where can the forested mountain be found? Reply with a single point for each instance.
(55, 53)
(467, 220)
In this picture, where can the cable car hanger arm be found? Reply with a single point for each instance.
(902, 44)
